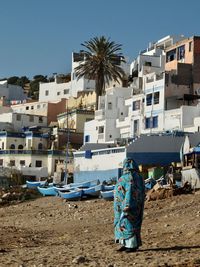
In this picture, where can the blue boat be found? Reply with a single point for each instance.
(74, 186)
(108, 187)
(84, 184)
(34, 184)
(47, 191)
(93, 191)
(71, 195)
(107, 195)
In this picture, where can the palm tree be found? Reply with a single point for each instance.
(101, 63)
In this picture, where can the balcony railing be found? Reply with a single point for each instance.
(32, 152)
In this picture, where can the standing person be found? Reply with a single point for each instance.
(128, 207)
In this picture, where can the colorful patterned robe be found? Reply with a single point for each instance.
(129, 203)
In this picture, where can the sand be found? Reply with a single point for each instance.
(51, 232)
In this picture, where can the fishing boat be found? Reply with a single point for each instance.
(107, 195)
(35, 184)
(73, 186)
(108, 187)
(93, 191)
(84, 184)
(47, 191)
(71, 195)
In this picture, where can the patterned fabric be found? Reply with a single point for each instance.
(129, 205)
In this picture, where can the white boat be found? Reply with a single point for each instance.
(107, 195)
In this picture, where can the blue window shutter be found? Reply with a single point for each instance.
(88, 154)
(87, 138)
(155, 122)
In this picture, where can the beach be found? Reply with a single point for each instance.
(50, 232)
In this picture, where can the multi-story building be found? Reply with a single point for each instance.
(47, 109)
(111, 107)
(20, 121)
(29, 152)
(164, 81)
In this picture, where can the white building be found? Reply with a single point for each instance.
(111, 107)
(54, 91)
(21, 121)
(12, 92)
(29, 153)
(46, 109)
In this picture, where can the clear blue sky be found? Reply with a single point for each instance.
(38, 36)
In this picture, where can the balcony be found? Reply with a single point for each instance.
(121, 123)
(100, 114)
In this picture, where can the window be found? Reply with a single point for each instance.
(32, 107)
(149, 100)
(31, 118)
(18, 118)
(148, 123)
(38, 163)
(181, 52)
(66, 91)
(46, 93)
(27, 108)
(156, 98)
(1, 162)
(147, 63)
(87, 138)
(151, 122)
(101, 129)
(109, 105)
(171, 55)
(12, 163)
(38, 106)
(88, 119)
(22, 162)
(20, 147)
(58, 93)
(136, 105)
(155, 122)
(40, 119)
(2, 145)
(44, 105)
(40, 146)
(190, 46)
(12, 146)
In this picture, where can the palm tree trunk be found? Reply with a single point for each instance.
(99, 88)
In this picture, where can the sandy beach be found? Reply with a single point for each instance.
(51, 232)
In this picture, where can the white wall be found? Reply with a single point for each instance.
(54, 91)
(34, 108)
(23, 120)
(91, 131)
(105, 160)
(12, 92)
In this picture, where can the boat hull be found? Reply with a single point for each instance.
(107, 195)
(47, 191)
(71, 195)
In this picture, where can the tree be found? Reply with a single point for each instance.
(34, 84)
(102, 59)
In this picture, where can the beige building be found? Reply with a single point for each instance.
(182, 69)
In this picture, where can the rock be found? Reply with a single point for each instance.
(6, 195)
(166, 225)
(79, 259)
